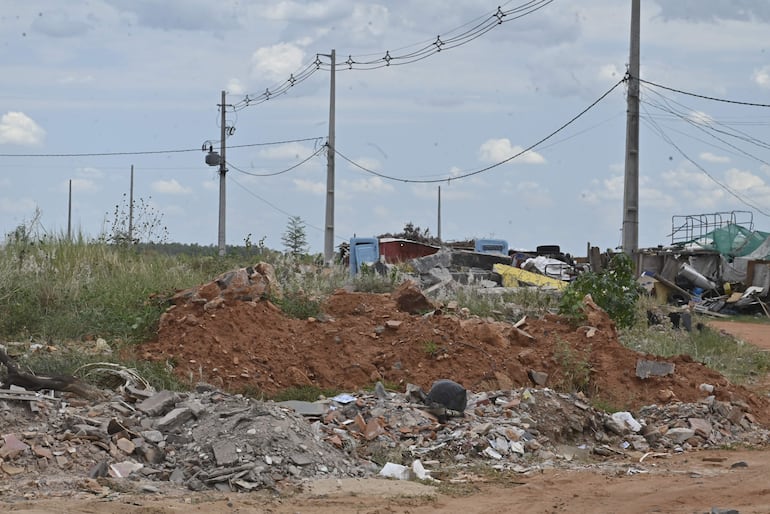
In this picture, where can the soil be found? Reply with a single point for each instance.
(361, 338)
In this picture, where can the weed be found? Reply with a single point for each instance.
(430, 347)
(574, 366)
(368, 280)
(303, 393)
(298, 305)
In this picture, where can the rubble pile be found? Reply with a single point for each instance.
(208, 439)
(202, 440)
(527, 428)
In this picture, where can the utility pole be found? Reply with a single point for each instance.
(631, 184)
(222, 172)
(69, 215)
(329, 232)
(131, 208)
(439, 214)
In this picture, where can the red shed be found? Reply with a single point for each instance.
(395, 250)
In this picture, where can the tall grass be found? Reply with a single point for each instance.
(736, 360)
(57, 289)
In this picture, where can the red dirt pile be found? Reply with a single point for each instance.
(247, 345)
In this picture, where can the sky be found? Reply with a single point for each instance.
(143, 79)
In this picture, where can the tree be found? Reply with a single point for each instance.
(295, 239)
(413, 233)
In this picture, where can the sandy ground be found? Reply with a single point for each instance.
(685, 483)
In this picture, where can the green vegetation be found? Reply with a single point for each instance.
(739, 362)
(508, 306)
(574, 366)
(56, 290)
(303, 393)
(615, 290)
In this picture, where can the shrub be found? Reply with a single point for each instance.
(615, 290)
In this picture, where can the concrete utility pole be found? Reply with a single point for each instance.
(69, 215)
(222, 172)
(631, 184)
(439, 214)
(131, 208)
(329, 232)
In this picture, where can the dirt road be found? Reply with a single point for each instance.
(685, 483)
(757, 334)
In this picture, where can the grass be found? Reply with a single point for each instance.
(509, 305)
(738, 361)
(303, 393)
(55, 290)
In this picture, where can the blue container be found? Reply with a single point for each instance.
(363, 250)
(492, 246)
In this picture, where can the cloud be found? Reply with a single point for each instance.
(366, 162)
(745, 181)
(609, 189)
(308, 186)
(276, 62)
(762, 77)
(190, 15)
(170, 187)
(700, 117)
(497, 150)
(89, 172)
(18, 128)
(235, 87)
(286, 151)
(369, 185)
(17, 205)
(81, 185)
(59, 23)
(710, 157)
(75, 79)
(533, 194)
(299, 11)
(713, 10)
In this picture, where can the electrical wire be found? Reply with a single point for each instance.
(492, 166)
(278, 209)
(705, 97)
(389, 58)
(711, 128)
(153, 152)
(661, 133)
(303, 161)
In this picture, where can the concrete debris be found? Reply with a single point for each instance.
(647, 368)
(214, 440)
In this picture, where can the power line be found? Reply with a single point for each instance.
(278, 209)
(492, 166)
(389, 58)
(710, 129)
(705, 97)
(151, 152)
(658, 130)
(303, 161)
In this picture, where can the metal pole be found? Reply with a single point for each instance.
(222, 172)
(131, 209)
(631, 184)
(329, 233)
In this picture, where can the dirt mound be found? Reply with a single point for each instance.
(362, 338)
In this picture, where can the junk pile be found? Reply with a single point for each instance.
(722, 272)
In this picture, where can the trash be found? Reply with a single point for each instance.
(397, 471)
(448, 393)
(627, 420)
